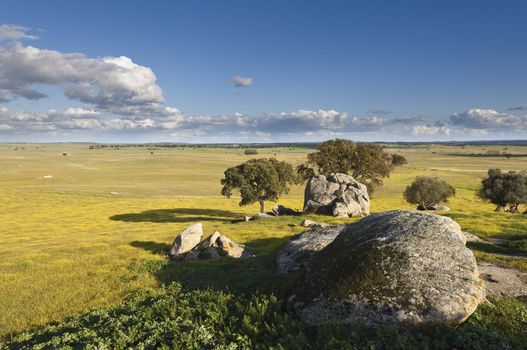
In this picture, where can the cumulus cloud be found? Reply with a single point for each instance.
(297, 122)
(488, 119)
(14, 32)
(75, 118)
(78, 112)
(111, 84)
(430, 130)
(242, 81)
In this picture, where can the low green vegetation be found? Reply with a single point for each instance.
(172, 318)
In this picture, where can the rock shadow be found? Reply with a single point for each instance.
(178, 215)
(491, 248)
(246, 275)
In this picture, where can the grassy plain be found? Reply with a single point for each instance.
(93, 232)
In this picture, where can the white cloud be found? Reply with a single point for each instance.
(488, 119)
(80, 112)
(81, 124)
(430, 130)
(111, 84)
(242, 81)
(5, 127)
(14, 32)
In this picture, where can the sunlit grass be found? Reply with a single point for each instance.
(68, 245)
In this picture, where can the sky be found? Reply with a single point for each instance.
(262, 71)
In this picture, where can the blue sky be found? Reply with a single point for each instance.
(241, 71)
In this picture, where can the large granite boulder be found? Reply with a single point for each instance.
(337, 195)
(403, 267)
(186, 240)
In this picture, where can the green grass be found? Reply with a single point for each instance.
(68, 246)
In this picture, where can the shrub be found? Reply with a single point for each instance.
(504, 189)
(249, 152)
(428, 191)
(398, 160)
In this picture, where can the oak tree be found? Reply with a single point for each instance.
(366, 162)
(504, 189)
(259, 180)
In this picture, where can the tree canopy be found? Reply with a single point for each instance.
(259, 180)
(428, 191)
(366, 162)
(398, 160)
(504, 189)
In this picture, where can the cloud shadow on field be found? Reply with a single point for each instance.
(179, 215)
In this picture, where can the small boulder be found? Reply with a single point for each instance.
(337, 194)
(307, 223)
(186, 240)
(227, 247)
(210, 241)
(214, 246)
(261, 216)
(280, 210)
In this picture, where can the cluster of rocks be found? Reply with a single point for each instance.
(338, 195)
(278, 210)
(435, 207)
(404, 267)
(188, 246)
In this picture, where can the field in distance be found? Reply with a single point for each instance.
(78, 224)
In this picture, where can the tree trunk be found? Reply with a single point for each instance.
(262, 207)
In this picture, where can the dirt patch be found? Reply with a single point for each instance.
(501, 281)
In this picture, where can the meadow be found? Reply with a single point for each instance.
(85, 230)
